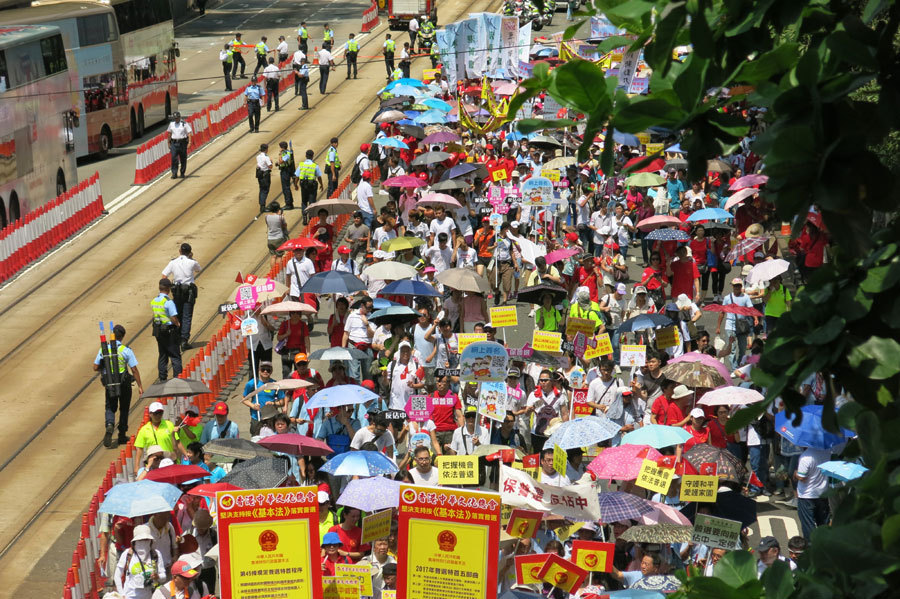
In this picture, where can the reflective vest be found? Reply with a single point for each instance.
(397, 74)
(352, 46)
(307, 170)
(123, 362)
(328, 35)
(435, 52)
(261, 49)
(158, 305)
(235, 43)
(333, 157)
(229, 56)
(389, 46)
(427, 28)
(287, 160)
(303, 33)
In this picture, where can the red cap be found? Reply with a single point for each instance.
(571, 236)
(597, 260)
(367, 175)
(486, 219)
(385, 126)
(370, 385)
(343, 250)
(489, 147)
(364, 148)
(221, 408)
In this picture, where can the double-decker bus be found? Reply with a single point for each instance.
(124, 55)
(37, 119)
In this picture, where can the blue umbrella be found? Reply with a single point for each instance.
(844, 471)
(657, 436)
(437, 104)
(626, 139)
(404, 81)
(390, 142)
(412, 113)
(644, 321)
(710, 214)
(676, 149)
(394, 315)
(140, 498)
(359, 463)
(641, 592)
(340, 395)
(431, 117)
(379, 303)
(405, 90)
(332, 281)
(616, 506)
(371, 494)
(582, 432)
(452, 118)
(406, 122)
(518, 135)
(809, 432)
(409, 287)
(668, 235)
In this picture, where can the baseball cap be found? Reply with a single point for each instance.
(513, 372)
(515, 223)
(154, 449)
(331, 538)
(343, 249)
(572, 236)
(620, 288)
(639, 289)
(404, 344)
(486, 219)
(737, 281)
(698, 413)
(323, 497)
(265, 364)
(166, 462)
(367, 175)
(471, 411)
(156, 407)
(221, 408)
(428, 269)
(767, 543)
(301, 357)
(369, 384)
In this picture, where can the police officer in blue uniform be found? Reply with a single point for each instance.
(352, 53)
(254, 94)
(301, 80)
(286, 166)
(166, 329)
(118, 397)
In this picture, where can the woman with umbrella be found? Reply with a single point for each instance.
(809, 248)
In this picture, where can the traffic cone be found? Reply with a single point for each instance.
(316, 56)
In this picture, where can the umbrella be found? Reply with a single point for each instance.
(458, 170)
(338, 353)
(441, 137)
(622, 462)
(393, 271)
(748, 181)
(287, 307)
(408, 287)
(464, 279)
(430, 158)
(633, 593)
(403, 90)
(561, 163)
(442, 106)
(644, 321)
(744, 246)
(626, 139)
(301, 243)
(560, 254)
(278, 289)
(414, 130)
(728, 467)
(390, 142)
(675, 149)
(533, 294)
(705, 359)
(644, 180)
(665, 514)
(394, 315)
(733, 309)
(333, 281)
(718, 166)
(265, 472)
(177, 474)
(768, 270)
(582, 432)
(398, 244)
(717, 225)
(403, 181)
(518, 136)
(378, 303)
(616, 506)
(397, 101)
(740, 196)
(695, 374)
(410, 81)
(731, 396)
(520, 593)
(449, 184)
(438, 199)
(240, 449)
(431, 117)
(657, 436)
(389, 116)
(662, 583)
(486, 450)
(333, 206)
(294, 444)
(809, 432)
(371, 494)
(544, 140)
(668, 235)
(658, 533)
(210, 489)
(655, 222)
(280, 385)
(844, 471)
(176, 387)
(140, 498)
(677, 163)
(710, 214)
(340, 395)
(359, 463)
(651, 166)
(735, 506)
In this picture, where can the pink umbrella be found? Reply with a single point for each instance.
(664, 514)
(704, 359)
(744, 246)
(748, 181)
(655, 222)
(438, 198)
(561, 254)
(403, 181)
(730, 396)
(295, 444)
(622, 462)
(739, 197)
(506, 89)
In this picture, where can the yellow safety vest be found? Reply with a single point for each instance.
(287, 157)
(158, 304)
(333, 157)
(302, 33)
(261, 49)
(307, 170)
(389, 45)
(434, 51)
(328, 35)
(352, 46)
(236, 42)
(229, 56)
(397, 74)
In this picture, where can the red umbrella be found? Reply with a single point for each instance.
(403, 181)
(301, 243)
(561, 254)
(295, 444)
(654, 165)
(177, 474)
(733, 309)
(210, 489)
(816, 219)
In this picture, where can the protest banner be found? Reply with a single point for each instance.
(567, 530)
(560, 460)
(492, 400)
(428, 74)
(376, 526)
(579, 344)
(667, 337)
(360, 572)
(593, 556)
(656, 148)
(716, 532)
(546, 341)
(537, 191)
(580, 405)
(483, 361)
(464, 340)
(699, 488)
(580, 325)
(632, 355)
(653, 477)
(602, 347)
(551, 173)
(523, 523)
(448, 543)
(504, 316)
(644, 138)
(528, 568)
(562, 574)
(457, 470)
(575, 502)
(419, 407)
(336, 587)
(269, 538)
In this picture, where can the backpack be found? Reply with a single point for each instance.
(356, 173)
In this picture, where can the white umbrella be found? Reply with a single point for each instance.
(390, 271)
(282, 385)
(284, 307)
(768, 270)
(740, 196)
(730, 396)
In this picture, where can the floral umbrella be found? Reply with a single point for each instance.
(616, 506)
(371, 494)
(622, 462)
(664, 583)
(728, 467)
(704, 359)
(658, 533)
(583, 432)
(695, 374)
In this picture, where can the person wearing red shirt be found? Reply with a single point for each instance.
(350, 534)
(699, 245)
(339, 375)
(716, 427)
(447, 414)
(684, 275)
(659, 412)
(655, 280)
(588, 274)
(331, 545)
(676, 415)
(508, 162)
(811, 246)
(336, 322)
(697, 428)
(295, 333)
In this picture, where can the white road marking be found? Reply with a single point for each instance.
(790, 525)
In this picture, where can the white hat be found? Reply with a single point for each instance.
(698, 413)
(404, 344)
(683, 301)
(621, 289)
(323, 497)
(156, 407)
(141, 533)
(166, 462)
(154, 449)
(515, 223)
(746, 270)
(681, 391)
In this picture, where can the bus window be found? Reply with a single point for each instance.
(54, 55)
(137, 14)
(96, 29)
(105, 91)
(25, 64)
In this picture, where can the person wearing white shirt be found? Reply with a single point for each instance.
(358, 332)
(768, 552)
(364, 199)
(325, 62)
(601, 225)
(140, 567)
(271, 73)
(624, 228)
(467, 438)
(404, 376)
(463, 223)
(263, 174)
(344, 263)
(441, 223)
(812, 509)
(376, 433)
(424, 473)
(413, 32)
(466, 257)
(548, 475)
(384, 233)
(440, 254)
(299, 269)
(184, 292)
(179, 140)
(282, 49)
(604, 393)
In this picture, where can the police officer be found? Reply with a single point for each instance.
(282, 49)
(327, 37)
(396, 74)
(118, 397)
(165, 329)
(286, 166)
(303, 37)
(326, 62)
(184, 291)
(271, 73)
(352, 52)
(301, 80)
(309, 174)
(405, 61)
(227, 57)
(263, 176)
(332, 166)
(179, 138)
(435, 55)
(253, 93)
(261, 50)
(236, 44)
(388, 50)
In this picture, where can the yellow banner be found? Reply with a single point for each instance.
(504, 316)
(604, 347)
(457, 470)
(376, 526)
(654, 478)
(428, 74)
(359, 572)
(388, 594)
(667, 337)
(334, 587)
(551, 173)
(580, 325)
(696, 487)
(644, 138)
(532, 472)
(546, 341)
(632, 355)
(466, 339)
(654, 149)
(564, 532)
(560, 459)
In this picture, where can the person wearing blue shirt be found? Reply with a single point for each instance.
(121, 400)
(736, 325)
(339, 428)
(167, 330)
(220, 427)
(262, 398)
(254, 94)
(675, 189)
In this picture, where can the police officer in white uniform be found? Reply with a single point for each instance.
(181, 271)
(271, 73)
(282, 49)
(179, 138)
(263, 176)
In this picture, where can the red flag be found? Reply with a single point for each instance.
(531, 461)
(508, 455)
(754, 480)
(239, 278)
(250, 279)
(709, 469)
(561, 113)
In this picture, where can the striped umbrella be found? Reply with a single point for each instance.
(616, 506)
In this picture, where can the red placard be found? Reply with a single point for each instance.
(593, 555)
(579, 403)
(528, 568)
(562, 573)
(523, 523)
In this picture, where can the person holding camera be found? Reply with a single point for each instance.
(118, 397)
(184, 291)
(140, 569)
(166, 328)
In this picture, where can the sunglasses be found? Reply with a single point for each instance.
(265, 370)
(543, 380)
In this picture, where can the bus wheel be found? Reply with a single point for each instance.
(106, 141)
(140, 120)
(60, 182)
(3, 222)
(168, 106)
(134, 125)
(15, 212)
